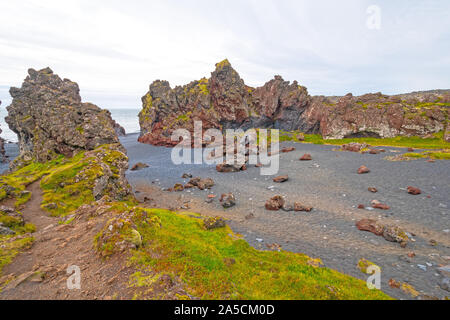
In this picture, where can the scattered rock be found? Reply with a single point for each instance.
(361, 206)
(228, 168)
(306, 157)
(396, 234)
(414, 191)
(394, 284)
(139, 166)
(353, 147)
(433, 243)
(187, 176)
(275, 203)
(200, 183)
(300, 207)
(411, 255)
(364, 264)
(287, 150)
(178, 187)
(409, 289)
(363, 170)
(371, 226)
(214, 223)
(373, 190)
(288, 207)
(445, 270)
(249, 216)
(300, 137)
(281, 179)
(445, 284)
(6, 231)
(411, 150)
(374, 151)
(228, 200)
(381, 206)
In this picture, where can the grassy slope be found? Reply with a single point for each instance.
(212, 264)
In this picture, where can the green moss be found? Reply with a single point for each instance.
(201, 259)
(364, 264)
(407, 142)
(223, 64)
(442, 155)
(9, 249)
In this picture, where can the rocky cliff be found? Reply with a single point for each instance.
(2, 147)
(224, 101)
(49, 118)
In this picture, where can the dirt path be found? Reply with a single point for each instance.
(41, 271)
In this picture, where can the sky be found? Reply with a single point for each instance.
(115, 49)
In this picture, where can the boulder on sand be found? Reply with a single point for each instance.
(306, 157)
(139, 166)
(281, 179)
(228, 200)
(275, 203)
(363, 170)
(414, 191)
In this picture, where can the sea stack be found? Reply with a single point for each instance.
(49, 118)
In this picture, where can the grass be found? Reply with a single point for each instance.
(220, 265)
(442, 155)
(404, 142)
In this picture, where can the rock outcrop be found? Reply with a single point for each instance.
(49, 119)
(224, 101)
(2, 148)
(381, 116)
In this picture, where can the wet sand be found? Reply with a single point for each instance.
(331, 185)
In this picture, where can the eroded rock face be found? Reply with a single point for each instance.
(378, 115)
(221, 102)
(49, 118)
(224, 101)
(2, 147)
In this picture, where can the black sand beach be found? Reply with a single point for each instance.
(331, 185)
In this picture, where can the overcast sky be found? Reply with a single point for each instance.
(115, 49)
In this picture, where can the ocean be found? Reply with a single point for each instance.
(127, 118)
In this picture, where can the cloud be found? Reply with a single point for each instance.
(115, 49)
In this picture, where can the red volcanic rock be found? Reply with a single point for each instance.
(227, 168)
(300, 207)
(306, 157)
(380, 206)
(224, 101)
(361, 206)
(363, 170)
(286, 150)
(414, 191)
(275, 203)
(353, 147)
(281, 179)
(374, 151)
(411, 150)
(370, 226)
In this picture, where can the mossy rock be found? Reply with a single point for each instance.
(364, 264)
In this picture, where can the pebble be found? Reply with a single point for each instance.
(422, 267)
(259, 240)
